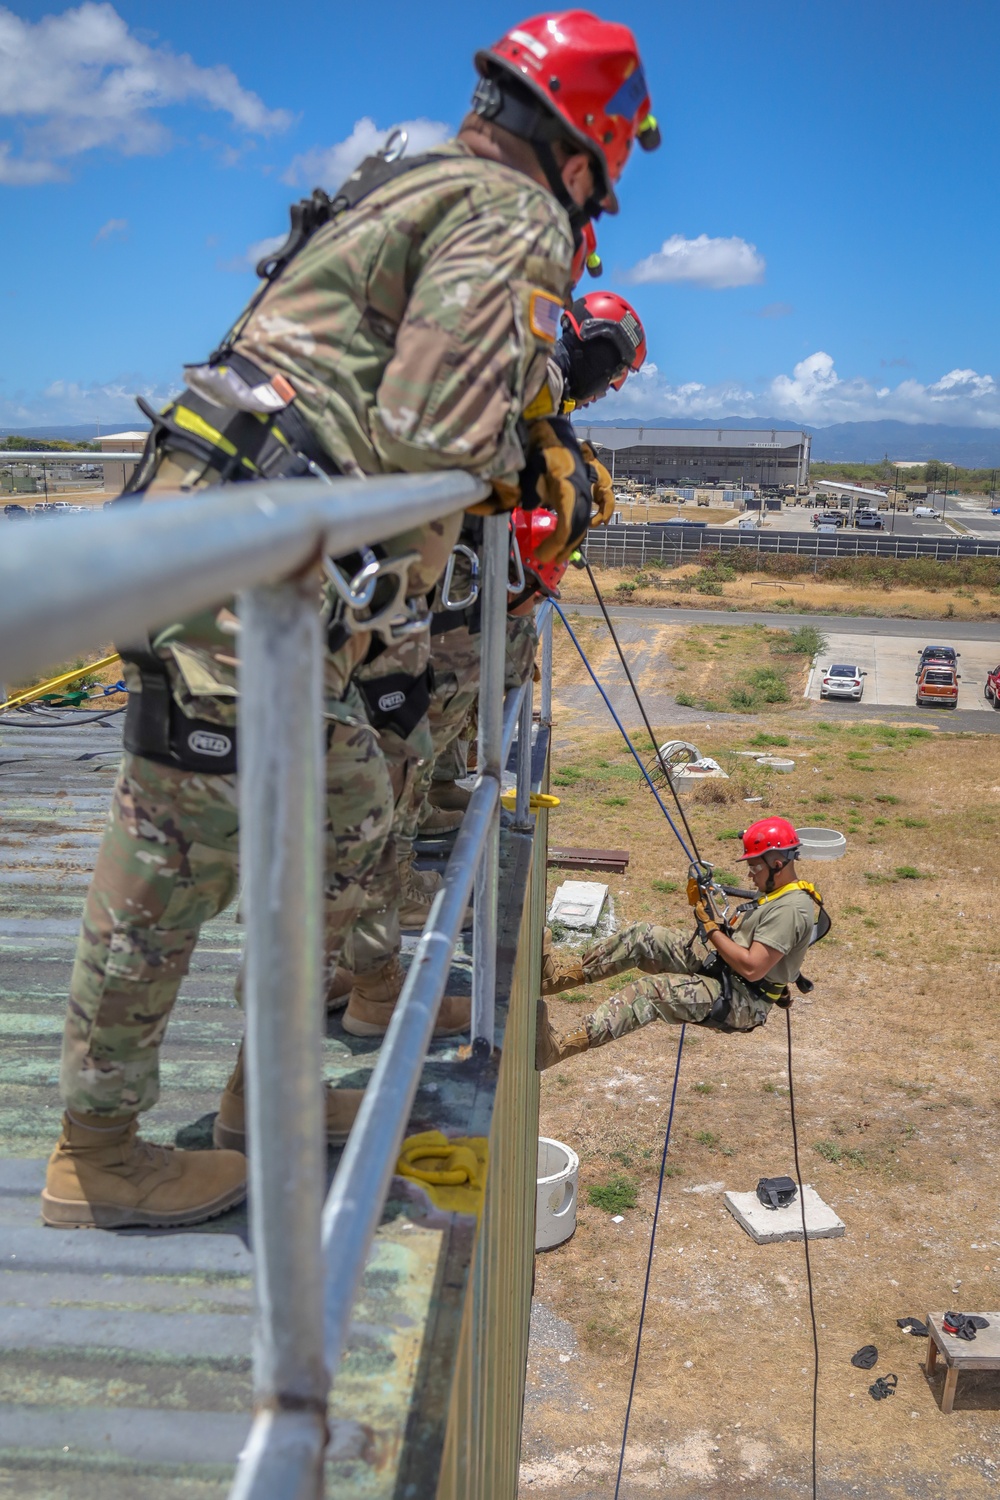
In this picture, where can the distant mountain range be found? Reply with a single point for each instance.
(865, 442)
(85, 433)
(845, 442)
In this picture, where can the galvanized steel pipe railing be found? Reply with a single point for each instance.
(127, 570)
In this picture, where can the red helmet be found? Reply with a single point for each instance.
(586, 257)
(607, 315)
(588, 73)
(770, 833)
(530, 528)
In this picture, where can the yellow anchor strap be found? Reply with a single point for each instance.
(793, 885)
(451, 1172)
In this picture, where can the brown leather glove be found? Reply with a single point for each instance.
(693, 891)
(603, 490)
(555, 476)
(504, 497)
(706, 922)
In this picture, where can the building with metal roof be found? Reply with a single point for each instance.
(770, 457)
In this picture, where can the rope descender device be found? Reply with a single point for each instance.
(396, 618)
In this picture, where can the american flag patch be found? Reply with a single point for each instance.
(544, 312)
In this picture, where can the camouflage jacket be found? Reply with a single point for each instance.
(416, 327)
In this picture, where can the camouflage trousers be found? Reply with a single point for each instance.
(375, 934)
(168, 862)
(676, 990)
(453, 712)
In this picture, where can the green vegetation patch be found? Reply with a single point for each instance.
(615, 1196)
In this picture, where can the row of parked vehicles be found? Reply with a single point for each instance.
(15, 512)
(937, 680)
(865, 520)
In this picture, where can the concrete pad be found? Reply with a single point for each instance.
(578, 904)
(891, 664)
(772, 1226)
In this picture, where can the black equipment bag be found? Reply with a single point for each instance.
(776, 1192)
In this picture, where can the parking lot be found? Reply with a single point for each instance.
(891, 663)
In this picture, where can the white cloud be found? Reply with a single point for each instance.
(703, 261)
(71, 402)
(114, 229)
(240, 264)
(329, 166)
(81, 80)
(814, 393)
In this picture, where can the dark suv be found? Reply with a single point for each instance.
(945, 656)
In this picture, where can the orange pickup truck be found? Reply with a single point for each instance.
(938, 684)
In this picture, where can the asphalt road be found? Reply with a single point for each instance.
(631, 620)
(936, 632)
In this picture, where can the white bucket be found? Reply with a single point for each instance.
(555, 1193)
(820, 843)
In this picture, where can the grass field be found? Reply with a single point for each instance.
(899, 1121)
(904, 593)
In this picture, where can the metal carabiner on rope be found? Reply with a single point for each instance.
(472, 557)
(359, 591)
(395, 144)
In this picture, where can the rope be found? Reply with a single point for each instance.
(642, 708)
(624, 733)
(39, 721)
(649, 1261)
(805, 1242)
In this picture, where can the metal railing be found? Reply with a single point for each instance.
(634, 546)
(129, 571)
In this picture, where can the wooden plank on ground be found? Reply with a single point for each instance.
(589, 859)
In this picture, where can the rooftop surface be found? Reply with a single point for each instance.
(125, 1357)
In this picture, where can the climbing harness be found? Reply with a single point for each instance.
(703, 874)
(883, 1387)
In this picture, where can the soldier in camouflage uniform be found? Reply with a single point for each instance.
(409, 333)
(730, 980)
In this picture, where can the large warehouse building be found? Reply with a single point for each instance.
(772, 458)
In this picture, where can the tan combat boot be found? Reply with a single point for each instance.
(373, 1000)
(419, 888)
(229, 1133)
(553, 1046)
(448, 802)
(562, 969)
(103, 1176)
(339, 988)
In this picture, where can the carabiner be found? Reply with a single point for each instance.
(359, 591)
(395, 144)
(472, 557)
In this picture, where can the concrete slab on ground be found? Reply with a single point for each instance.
(891, 663)
(773, 1226)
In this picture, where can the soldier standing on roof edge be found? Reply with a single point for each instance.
(601, 340)
(408, 333)
(728, 980)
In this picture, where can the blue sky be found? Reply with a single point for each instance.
(815, 240)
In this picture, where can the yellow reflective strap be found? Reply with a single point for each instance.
(191, 422)
(794, 885)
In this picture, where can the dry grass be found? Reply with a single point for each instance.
(715, 515)
(801, 594)
(899, 1121)
(100, 678)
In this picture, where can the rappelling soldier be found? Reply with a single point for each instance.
(405, 326)
(729, 976)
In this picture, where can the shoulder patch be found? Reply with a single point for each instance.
(544, 312)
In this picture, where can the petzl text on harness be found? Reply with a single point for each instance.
(776, 1192)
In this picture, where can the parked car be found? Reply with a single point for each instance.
(995, 510)
(14, 510)
(945, 656)
(842, 681)
(868, 519)
(828, 518)
(828, 528)
(938, 684)
(927, 511)
(748, 523)
(991, 690)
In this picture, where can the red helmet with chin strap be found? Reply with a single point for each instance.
(587, 74)
(530, 528)
(768, 834)
(586, 257)
(606, 315)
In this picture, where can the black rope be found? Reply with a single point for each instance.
(39, 721)
(642, 709)
(805, 1242)
(649, 1261)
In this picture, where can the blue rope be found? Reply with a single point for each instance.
(624, 734)
(649, 1262)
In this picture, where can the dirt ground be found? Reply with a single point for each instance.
(895, 1073)
(756, 591)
